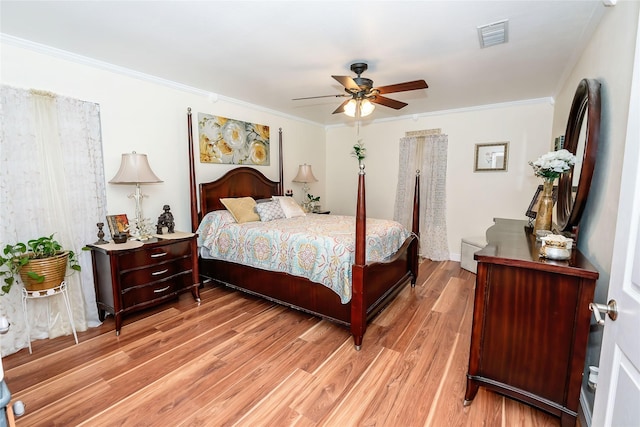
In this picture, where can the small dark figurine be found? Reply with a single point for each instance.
(165, 220)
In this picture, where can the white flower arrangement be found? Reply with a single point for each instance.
(553, 164)
(141, 229)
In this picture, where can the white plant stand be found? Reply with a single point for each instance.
(46, 293)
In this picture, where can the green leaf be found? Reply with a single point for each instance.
(35, 276)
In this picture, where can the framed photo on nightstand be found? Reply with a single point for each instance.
(118, 224)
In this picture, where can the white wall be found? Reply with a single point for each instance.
(607, 57)
(473, 198)
(149, 116)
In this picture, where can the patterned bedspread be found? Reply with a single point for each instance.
(318, 247)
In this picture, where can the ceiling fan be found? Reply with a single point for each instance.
(363, 95)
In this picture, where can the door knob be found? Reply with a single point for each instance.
(611, 309)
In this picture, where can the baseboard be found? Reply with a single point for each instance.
(584, 413)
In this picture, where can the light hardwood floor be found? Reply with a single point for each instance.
(236, 360)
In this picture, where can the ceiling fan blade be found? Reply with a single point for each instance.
(402, 87)
(321, 96)
(387, 102)
(340, 109)
(347, 82)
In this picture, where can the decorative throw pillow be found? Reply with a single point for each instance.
(289, 206)
(270, 211)
(241, 208)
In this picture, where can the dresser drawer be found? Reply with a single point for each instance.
(154, 272)
(154, 291)
(154, 255)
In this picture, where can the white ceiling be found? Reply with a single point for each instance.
(268, 52)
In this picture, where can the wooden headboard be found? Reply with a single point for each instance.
(239, 182)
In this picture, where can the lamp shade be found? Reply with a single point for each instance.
(350, 108)
(359, 107)
(366, 107)
(134, 169)
(305, 174)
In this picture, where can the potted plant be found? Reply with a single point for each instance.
(312, 203)
(41, 264)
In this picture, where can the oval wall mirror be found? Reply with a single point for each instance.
(581, 138)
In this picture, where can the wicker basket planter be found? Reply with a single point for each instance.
(53, 269)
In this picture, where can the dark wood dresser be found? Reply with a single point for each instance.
(130, 279)
(530, 322)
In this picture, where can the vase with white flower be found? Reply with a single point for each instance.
(549, 167)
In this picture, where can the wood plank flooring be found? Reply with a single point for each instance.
(237, 360)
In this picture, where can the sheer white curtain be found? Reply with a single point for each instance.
(51, 181)
(429, 155)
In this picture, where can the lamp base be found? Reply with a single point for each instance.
(141, 229)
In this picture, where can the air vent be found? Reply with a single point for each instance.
(493, 34)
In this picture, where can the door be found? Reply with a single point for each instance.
(617, 400)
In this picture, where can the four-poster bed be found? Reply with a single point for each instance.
(373, 284)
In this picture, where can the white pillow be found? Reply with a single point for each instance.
(289, 206)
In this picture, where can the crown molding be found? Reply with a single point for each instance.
(534, 101)
(94, 63)
(214, 97)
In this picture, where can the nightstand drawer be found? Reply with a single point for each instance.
(154, 255)
(152, 273)
(153, 291)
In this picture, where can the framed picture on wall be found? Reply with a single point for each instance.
(491, 157)
(118, 224)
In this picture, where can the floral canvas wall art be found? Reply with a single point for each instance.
(224, 140)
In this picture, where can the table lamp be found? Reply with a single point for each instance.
(305, 175)
(135, 169)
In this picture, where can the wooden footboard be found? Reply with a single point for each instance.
(373, 285)
(315, 298)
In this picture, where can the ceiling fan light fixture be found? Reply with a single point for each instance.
(366, 107)
(360, 107)
(364, 95)
(350, 108)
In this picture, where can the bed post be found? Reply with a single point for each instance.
(358, 305)
(415, 229)
(192, 175)
(281, 165)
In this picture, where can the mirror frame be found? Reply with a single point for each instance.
(571, 201)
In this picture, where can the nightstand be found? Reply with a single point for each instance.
(132, 276)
